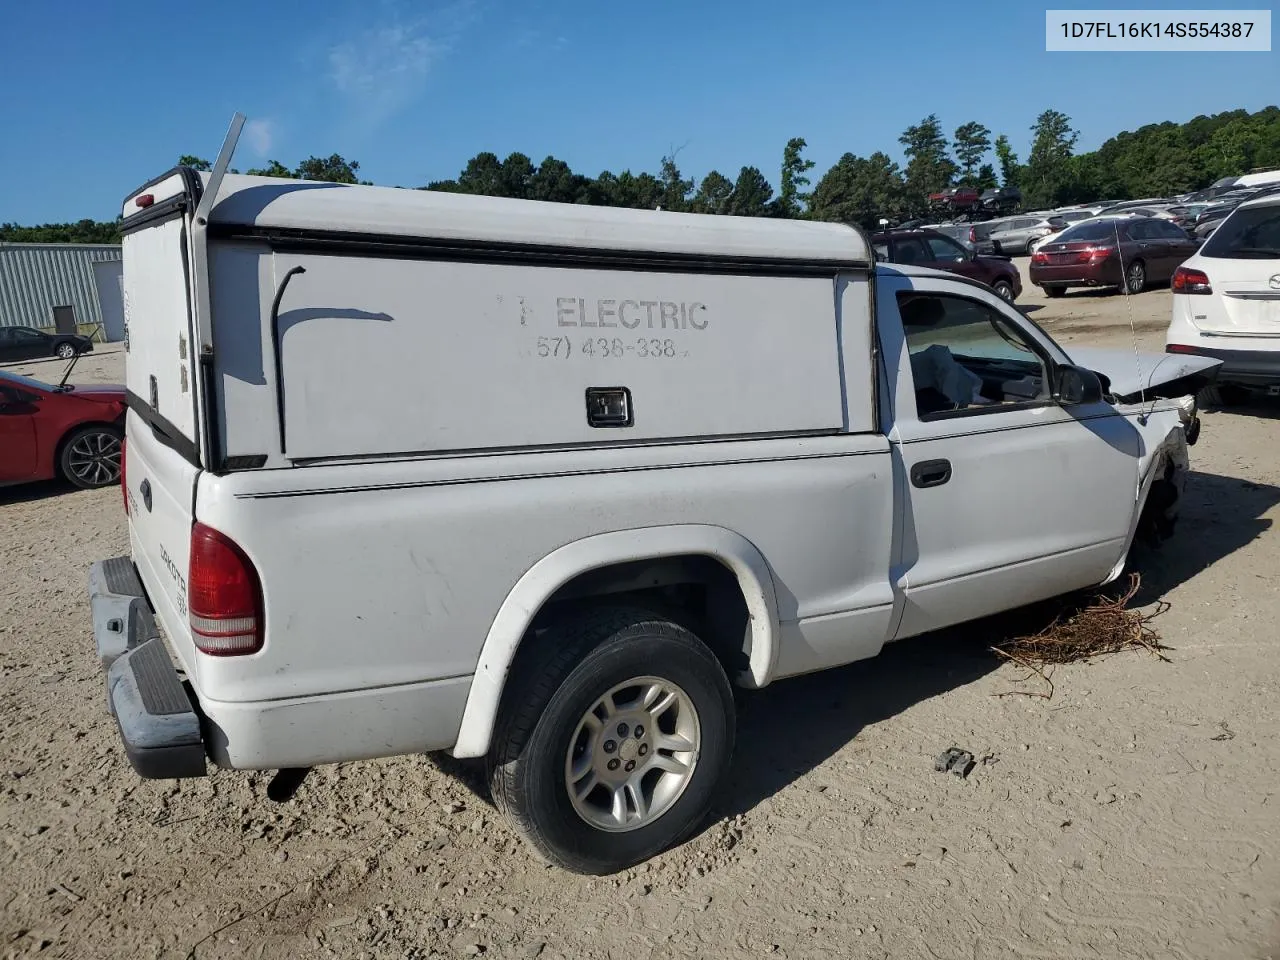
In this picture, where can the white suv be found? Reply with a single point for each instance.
(1226, 301)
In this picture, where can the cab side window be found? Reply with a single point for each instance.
(966, 357)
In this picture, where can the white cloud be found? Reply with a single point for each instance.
(260, 135)
(384, 67)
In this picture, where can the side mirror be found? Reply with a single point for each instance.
(1076, 385)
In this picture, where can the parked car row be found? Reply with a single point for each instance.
(1212, 214)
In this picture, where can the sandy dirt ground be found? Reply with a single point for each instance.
(1135, 814)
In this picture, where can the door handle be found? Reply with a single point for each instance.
(931, 473)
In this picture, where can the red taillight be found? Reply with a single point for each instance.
(1179, 348)
(124, 484)
(1039, 257)
(973, 235)
(1186, 280)
(144, 201)
(224, 596)
(1094, 254)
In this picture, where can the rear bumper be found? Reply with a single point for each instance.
(155, 716)
(1075, 275)
(1253, 368)
(168, 729)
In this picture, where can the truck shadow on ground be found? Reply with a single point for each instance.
(790, 728)
(794, 726)
(1219, 516)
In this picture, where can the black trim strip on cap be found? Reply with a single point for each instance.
(485, 251)
(554, 474)
(165, 431)
(158, 213)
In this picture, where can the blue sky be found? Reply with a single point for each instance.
(101, 96)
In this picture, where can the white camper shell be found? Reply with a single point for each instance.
(691, 312)
(413, 471)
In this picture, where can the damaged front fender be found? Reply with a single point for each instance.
(1167, 427)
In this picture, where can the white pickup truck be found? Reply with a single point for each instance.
(412, 471)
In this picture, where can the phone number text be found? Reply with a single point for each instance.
(646, 348)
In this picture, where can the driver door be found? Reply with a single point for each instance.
(1008, 497)
(17, 436)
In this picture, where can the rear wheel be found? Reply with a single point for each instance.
(1135, 277)
(1222, 395)
(65, 350)
(610, 749)
(90, 456)
(1004, 290)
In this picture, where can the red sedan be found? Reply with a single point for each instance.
(66, 431)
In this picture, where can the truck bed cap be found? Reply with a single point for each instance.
(266, 204)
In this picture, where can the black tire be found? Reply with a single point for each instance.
(1222, 395)
(574, 664)
(1054, 292)
(65, 350)
(1004, 290)
(89, 457)
(1135, 277)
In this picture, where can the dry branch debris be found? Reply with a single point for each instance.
(1102, 627)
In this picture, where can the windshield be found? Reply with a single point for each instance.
(20, 381)
(1089, 230)
(1251, 233)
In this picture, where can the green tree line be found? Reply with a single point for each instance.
(1159, 159)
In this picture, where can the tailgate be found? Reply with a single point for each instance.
(160, 486)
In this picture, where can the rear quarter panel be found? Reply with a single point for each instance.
(382, 574)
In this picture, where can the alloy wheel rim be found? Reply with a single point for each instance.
(95, 459)
(632, 754)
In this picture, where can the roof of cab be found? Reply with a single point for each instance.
(271, 204)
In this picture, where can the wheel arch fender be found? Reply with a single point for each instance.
(541, 581)
(1167, 449)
